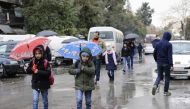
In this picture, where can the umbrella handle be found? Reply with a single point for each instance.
(80, 46)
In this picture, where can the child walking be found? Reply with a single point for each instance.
(84, 72)
(111, 62)
(41, 71)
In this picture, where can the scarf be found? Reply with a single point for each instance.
(113, 56)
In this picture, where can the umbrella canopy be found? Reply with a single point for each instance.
(24, 49)
(73, 49)
(131, 36)
(46, 33)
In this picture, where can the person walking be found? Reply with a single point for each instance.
(163, 57)
(111, 62)
(140, 48)
(126, 50)
(98, 59)
(40, 69)
(84, 72)
(132, 53)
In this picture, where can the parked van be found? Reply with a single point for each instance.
(111, 36)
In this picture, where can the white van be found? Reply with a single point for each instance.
(111, 36)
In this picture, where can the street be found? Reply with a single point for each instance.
(129, 91)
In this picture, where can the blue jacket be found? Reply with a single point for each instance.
(163, 50)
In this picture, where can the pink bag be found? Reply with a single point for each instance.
(51, 77)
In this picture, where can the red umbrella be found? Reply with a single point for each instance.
(24, 49)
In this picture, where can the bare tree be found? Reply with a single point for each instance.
(181, 11)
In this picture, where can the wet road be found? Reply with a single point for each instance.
(129, 91)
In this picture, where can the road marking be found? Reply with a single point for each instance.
(63, 89)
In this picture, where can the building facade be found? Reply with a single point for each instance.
(11, 18)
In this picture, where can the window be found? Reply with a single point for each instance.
(10, 47)
(105, 35)
(3, 49)
(18, 12)
(181, 48)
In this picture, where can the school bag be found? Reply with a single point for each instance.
(51, 77)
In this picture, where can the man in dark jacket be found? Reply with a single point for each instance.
(125, 53)
(163, 57)
(84, 71)
(140, 48)
(40, 77)
(132, 45)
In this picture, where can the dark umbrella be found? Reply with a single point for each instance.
(131, 36)
(46, 33)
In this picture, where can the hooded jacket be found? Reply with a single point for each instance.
(84, 78)
(163, 50)
(40, 80)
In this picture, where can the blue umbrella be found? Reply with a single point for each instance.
(73, 49)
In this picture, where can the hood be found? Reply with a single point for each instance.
(41, 48)
(167, 36)
(87, 50)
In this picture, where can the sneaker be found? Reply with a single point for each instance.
(167, 94)
(123, 70)
(154, 89)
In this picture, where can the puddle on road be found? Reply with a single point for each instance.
(179, 100)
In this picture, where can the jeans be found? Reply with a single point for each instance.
(126, 62)
(164, 68)
(111, 74)
(36, 94)
(79, 98)
(97, 63)
(140, 54)
(131, 59)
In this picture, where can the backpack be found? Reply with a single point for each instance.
(51, 77)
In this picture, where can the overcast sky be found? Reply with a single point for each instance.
(160, 7)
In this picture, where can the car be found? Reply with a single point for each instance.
(8, 66)
(181, 59)
(148, 49)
